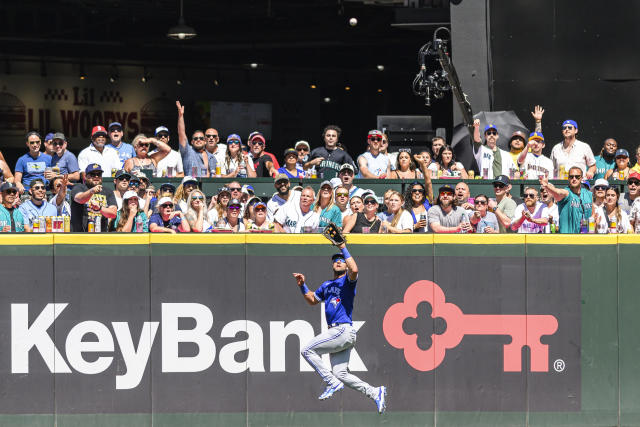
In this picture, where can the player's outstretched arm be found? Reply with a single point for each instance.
(308, 295)
(352, 267)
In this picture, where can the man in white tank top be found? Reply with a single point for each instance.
(372, 163)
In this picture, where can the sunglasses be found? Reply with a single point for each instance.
(197, 198)
(143, 145)
(370, 202)
(134, 184)
(575, 176)
(417, 190)
(261, 209)
(122, 178)
(260, 143)
(233, 142)
(163, 135)
(11, 192)
(567, 127)
(446, 193)
(498, 185)
(342, 194)
(633, 182)
(38, 187)
(115, 130)
(58, 144)
(234, 208)
(491, 132)
(212, 136)
(529, 196)
(326, 188)
(34, 142)
(302, 149)
(621, 157)
(235, 188)
(167, 205)
(375, 138)
(198, 138)
(600, 188)
(480, 202)
(95, 175)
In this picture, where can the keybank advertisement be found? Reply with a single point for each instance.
(195, 333)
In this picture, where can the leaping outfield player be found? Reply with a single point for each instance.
(338, 295)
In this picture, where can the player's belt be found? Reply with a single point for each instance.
(333, 325)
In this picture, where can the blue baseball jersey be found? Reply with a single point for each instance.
(338, 295)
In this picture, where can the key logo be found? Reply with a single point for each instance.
(524, 330)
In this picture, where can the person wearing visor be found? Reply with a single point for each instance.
(167, 220)
(338, 295)
(11, 220)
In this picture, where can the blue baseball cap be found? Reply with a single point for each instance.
(234, 137)
(114, 124)
(93, 167)
(49, 136)
(489, 127)
(570, 122)
(161, 129)
(536, 136)
(622, 152)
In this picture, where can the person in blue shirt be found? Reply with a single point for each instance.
(291, 167)
(574, 202)
(37, 206)
(33, 164)
(64, 160)
(337, 295)
(607, 158)
(125, 151)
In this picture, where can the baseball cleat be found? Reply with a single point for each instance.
(330, 390)
(381, 399)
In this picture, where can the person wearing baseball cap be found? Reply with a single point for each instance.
(171, 165)
(168, 220)
(504, 207)
(37, 205)
(48, 148)
(490, 159)
(572, 152)
(33, 164)
(291, 166)
(622, 169)
(265, 164)
(281, 196)
(63, 159)
(99, 152)
(196, 160)
(11, 219)
(445, 216)
(372, 163)
(632, 195)
(260, 222)
(125, 151)
(366, 221)
(328, 159)
(303, 149)
(531, 160)
(91, 202)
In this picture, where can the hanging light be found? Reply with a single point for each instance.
(146, 76)
(82, 75)
(181, 31)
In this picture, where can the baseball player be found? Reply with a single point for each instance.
(338, 295)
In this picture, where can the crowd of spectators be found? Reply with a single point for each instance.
(54, 183)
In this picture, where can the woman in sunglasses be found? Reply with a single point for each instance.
(143, 160)
(218, 206)
(622, 169)
(197, 214)
(417, 204)
(235, 158)
(342, 201)
(446, 163)
(130, 218)
(326, 208)
(232, 221)
(260, 222)
(367, 220)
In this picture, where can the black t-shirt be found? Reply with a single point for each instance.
(330, 166)
(80, 213)
(260, 166)
(362, 221)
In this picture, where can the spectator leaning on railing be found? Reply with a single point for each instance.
(37, 206)
(622, 169)
(366, 221)
(503, 206)
(483, 220)
(445, 216)
(168, 220)
(531, 216)
(197, 214)
(396, 220)
(298, 217)
(130, 218)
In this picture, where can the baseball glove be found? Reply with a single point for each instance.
(333, 233)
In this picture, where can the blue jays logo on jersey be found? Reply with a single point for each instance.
(335, 301)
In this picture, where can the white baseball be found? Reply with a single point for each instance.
(353, 22)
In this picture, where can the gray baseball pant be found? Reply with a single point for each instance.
(336, 341)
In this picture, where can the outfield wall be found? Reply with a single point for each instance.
(201, 330)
